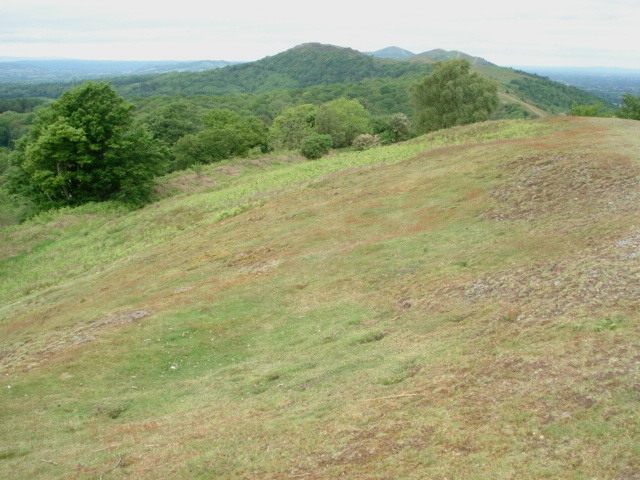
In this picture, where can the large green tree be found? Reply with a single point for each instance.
(453, 95)
(343, 119)
(292, 126)
(83, 148)
(630, 107)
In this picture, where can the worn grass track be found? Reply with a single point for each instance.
(462, 306)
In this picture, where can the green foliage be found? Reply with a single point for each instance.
(13, 125)
(343, 120)
(630, 107)
(511, 111)
(292, 126)
(551, 96)
(392, 128)
(19, 105)
(298, 68)
(83, 148)
(171, 122)
(453, 95)
(595, 110)
(226, 134)
(316, 145)
(608, 323)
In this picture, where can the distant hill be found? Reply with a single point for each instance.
(64, 70)
(316, 73)
(440, 55)
(394, 53)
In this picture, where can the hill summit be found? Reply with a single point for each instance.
(439, 54)
(395, 53)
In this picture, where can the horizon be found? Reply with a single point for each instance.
(9, 58)
(542, 33)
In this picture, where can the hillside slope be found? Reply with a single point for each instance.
(464, 305)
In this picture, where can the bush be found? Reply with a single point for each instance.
(366, 141)
(595, 110)
(316, 145)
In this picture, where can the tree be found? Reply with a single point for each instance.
(392, 128)
(13, 126)
(292, 126)
(171, 122)
(83, 148)
(343, 119)
(630, 107)
(226, 134)
(452, 95)
(316, 145)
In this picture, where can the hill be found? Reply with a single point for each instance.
(463, 305)
(395, 53)
(439, 55)
(303, 66)
(317, 73)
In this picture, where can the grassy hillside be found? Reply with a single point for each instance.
(464, 305)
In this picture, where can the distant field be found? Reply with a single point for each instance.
(463, 305)
(610, 84)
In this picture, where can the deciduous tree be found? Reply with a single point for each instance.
(343, 119)
(292, 126)
(630, 107)
(83, 148)
(453, 95)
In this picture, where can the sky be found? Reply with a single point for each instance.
(532, 33)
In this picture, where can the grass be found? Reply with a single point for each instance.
(440, 308)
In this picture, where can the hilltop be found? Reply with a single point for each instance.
(439, 54)
(315, 71)
(462, 305)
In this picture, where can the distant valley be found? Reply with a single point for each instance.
(23, 70)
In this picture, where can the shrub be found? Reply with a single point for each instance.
(316, 145)
(366, 141)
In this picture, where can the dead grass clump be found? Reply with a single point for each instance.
(37, 351)
(564, 186)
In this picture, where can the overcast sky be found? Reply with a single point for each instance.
(533, 33)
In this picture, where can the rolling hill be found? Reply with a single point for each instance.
(395, 53)
(337, 71)
(462, 305)
(439, 55)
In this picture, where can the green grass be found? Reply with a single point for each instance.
(416, 311)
